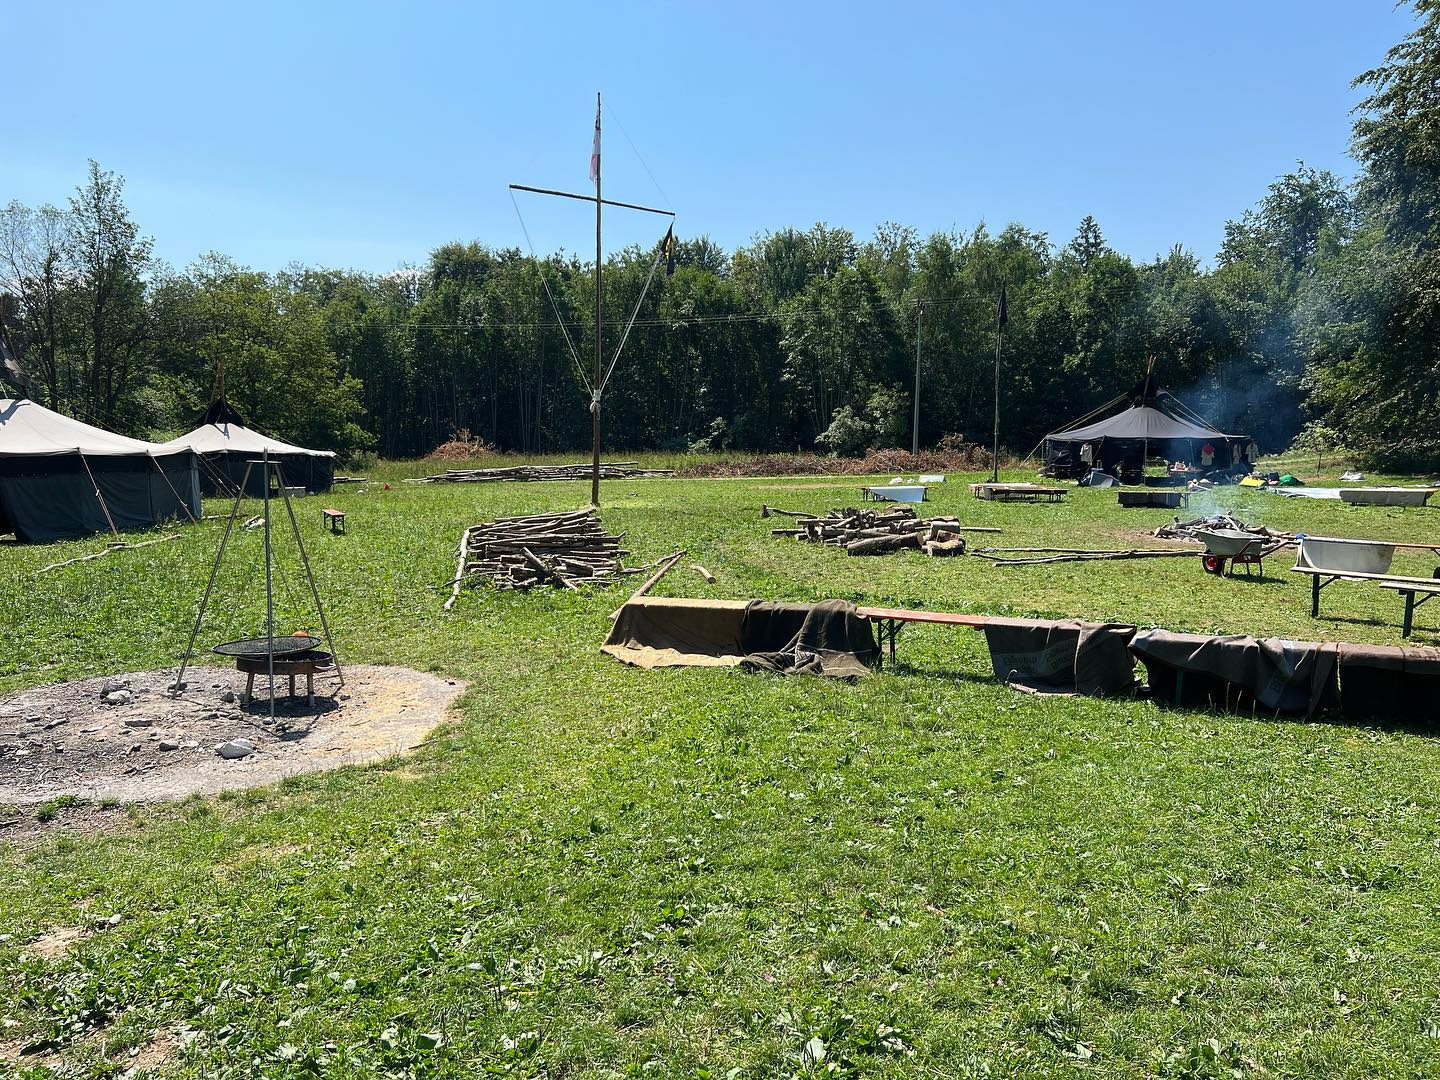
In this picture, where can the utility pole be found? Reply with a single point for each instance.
(1001, 318)
(915, 426)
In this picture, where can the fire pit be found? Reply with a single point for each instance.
(286, 657)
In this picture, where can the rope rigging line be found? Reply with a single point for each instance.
(636, 150)
(540, 268)
(659, 254)
(183, 504)
(100, 497)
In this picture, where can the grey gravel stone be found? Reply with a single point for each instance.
(235, 748)
(138, 721)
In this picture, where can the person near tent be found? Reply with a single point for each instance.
(1252, 452)
(1087, 455)
(1207, 455)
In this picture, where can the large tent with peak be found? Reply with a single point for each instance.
(1152, 423)
(61, 478)
(227, 447)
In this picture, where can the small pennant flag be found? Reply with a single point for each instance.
(595, 149)
(667, 248)
(1002, 316)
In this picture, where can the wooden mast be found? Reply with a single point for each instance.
(595, 387)
(599, 296)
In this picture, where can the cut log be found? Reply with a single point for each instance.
(883, 545)
(942, 549)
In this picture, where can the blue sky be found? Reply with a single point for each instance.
(361, 135)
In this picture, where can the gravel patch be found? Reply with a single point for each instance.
(125, 738)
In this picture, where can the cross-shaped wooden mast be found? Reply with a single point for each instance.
(599, 296)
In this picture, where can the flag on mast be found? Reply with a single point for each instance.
(595, 149)
(1002, 316)
(667, 249)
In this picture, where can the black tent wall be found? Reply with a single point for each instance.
(52, 497)
(1062, 456)
(223, 472)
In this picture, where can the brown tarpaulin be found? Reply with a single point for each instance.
(1390, 680)
(654, 632)
(1229, 672)
(1061, 657)
(828, 638)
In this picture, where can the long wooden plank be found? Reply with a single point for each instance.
(1361, 575)
(945, 618)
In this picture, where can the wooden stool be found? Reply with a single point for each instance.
(333, 518)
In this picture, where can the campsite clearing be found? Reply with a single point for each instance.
(596, 866)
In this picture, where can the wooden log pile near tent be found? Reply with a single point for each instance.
(565, 550)
(613, 470)
(879, 532)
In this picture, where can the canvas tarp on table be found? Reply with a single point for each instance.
(1061, 657)
(1234, 671)
(828, 638)
(1390, 680)
(61, 478)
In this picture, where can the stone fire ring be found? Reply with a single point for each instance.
(126, 738)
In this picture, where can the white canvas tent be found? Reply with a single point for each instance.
(62, 478)
(226, 445)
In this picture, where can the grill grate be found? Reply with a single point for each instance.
(283, 646)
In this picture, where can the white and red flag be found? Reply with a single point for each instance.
(595, 150)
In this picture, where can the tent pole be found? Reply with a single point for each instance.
(269, 590)
(100, 498)
(183, 505)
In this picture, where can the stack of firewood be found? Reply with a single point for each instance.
(565, 550)
(877, 532)
(613, 470)
(1195, 528)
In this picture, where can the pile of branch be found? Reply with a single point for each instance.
(878, 532)
(613, 470)
(565, 550)
(1190, 530)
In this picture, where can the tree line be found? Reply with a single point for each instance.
(1318, 320)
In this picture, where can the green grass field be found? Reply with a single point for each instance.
(599, 871)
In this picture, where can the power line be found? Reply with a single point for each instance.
(743, 317)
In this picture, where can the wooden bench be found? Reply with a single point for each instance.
(1415, 594)
(335, 519)
(1407, 587)
(888, 622)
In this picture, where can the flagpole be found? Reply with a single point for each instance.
(599, 372)
(596, 386)
(1000, 316)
